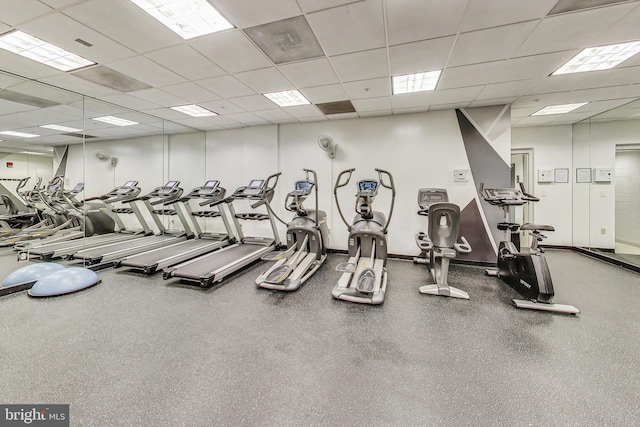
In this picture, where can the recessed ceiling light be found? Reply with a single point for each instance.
(41, 51)
(187, 18)
(194, 110)
(417, 82)
(558, 109)
(61, 128)
(115, 121)
(20, 134)
(287, 98)
(36, 153)
(599, 58)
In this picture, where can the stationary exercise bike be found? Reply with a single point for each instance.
(526, 272)
(439, 245)
(307, 239)
(364, 276)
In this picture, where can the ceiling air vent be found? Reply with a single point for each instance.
(105, 76)
(287, 40)
(78, 135)
(22, 98)
(337, 107)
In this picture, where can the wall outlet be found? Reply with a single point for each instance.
(603, 231)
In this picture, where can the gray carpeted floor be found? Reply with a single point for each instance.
(138, 350)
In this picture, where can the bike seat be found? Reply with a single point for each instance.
(534, 227)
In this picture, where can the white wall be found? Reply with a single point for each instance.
(628, 197)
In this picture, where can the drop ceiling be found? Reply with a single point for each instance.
(491, 51)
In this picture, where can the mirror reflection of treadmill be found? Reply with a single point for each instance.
(156, 259)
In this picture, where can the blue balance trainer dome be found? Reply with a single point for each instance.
(63, 282)
(31, 273)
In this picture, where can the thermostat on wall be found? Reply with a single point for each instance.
(603, 175)
(461, 175)
(545, 175)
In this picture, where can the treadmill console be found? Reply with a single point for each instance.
(430, 196)
(254, 187)
(367, 188)
(78, 188)
(130, 184)
(207, 189)
(503, 196)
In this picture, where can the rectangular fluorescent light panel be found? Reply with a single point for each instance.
(194, 110)
(187, 18)
(558, 109)
(115, 121)
(61, 128)
(41, 51)
(418, 82)
(599, 58)
(288, 98)
(35, 153)
(20, 134)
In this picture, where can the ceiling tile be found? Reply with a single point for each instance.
(226, 86)
(25, 67)
(469, 75)
(413, 20)
(186, 61)
(158, 97)
(316, 5)
(342, 116)
(76, 84)
(63, 32)
(274, 115)
(368, 88)
(328, 93)
(232, 51)
(248, 119)
(253, 102)
(222, 107)
(563, 32)
(361, 27)
(490, 102)
(129, 101)
(427, 55)
(60, 4)
(191, 92)
(531, 67)
(147, 71)
(16, 12)
(412, 100)
(248, 13)
(613, 77)
(462, 95)
(302, 111)
(492, 13)
(367, 64)
(125, 23)
(377, 113)
(265, 80)
(625, 30)
(500, 90)
(314, 72)
(560, 83)
(372, 104)
(490, 44)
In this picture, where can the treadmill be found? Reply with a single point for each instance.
(121, 194)
(107, 255)
(212, 268)
(156, 259)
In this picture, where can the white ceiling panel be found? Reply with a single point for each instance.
(265, 80)
(372, 104)
(469, 75)
(146, 71)
(125, 23)
(85, 87)
(560, 83)
(499, 90)
(491, 13)
(157, 97)
(413, 20)
(490, 102)
(63, 32)
(186, 61)
(130, 101)
(462, 95)
(316, 5)
(412, 100)
(368, 88)
(253, 103)
(315, 72)
(248, 119)
(25, 67)
(328, 93)
(361, 27)
(4, 27)
(302, 111)
(531, 67)
(60, 4)
(368, 64)
(573, 30)
(226, 86)
(342, 116)
(248, 13)
(275, 116)
(378, 113)
(490, 44)
(165, 113)
(232, 51)
(191, 92)
(16, 12)
(625, 30)
(222, 107)
(616, 76)
(427, 55)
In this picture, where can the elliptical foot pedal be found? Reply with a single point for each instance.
(278, 274)
(346, 267)
(366, 282)
(555, 308)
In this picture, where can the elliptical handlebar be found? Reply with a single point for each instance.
(335, 192)
(391, 186)
(527, 196)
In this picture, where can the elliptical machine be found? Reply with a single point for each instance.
(364, 276)
(526, 272)
(439, 245)
(307, 238)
